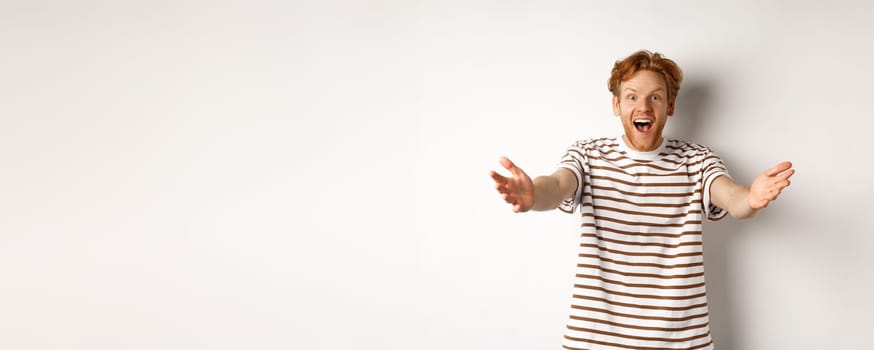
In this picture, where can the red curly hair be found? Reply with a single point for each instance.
(644, 60)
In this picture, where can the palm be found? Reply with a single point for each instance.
(516, 189)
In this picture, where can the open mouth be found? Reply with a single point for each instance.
(642, 125)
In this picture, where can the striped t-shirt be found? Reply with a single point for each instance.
(640, 272)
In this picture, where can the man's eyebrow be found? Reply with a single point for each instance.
(635, 90)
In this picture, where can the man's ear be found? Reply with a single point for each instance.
(616, 105)
(671, 106)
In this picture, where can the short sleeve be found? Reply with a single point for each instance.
(573, 160)
(712, 168)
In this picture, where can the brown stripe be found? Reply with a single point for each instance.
(626, 336)
(677, 162)
(640, 296)
(619, 262)
(687, 146)
(683, 159)
(687, 150)
(666, 256)
(650, 307)
(640, 285)
(650, 224)
(612, 143)
(683, 154)
(671, 319)
(597, 142)
(602, 151)
(604, 159)
(715, 163)
(644, 234)
(622, 156)
(641, 244)
(691, 164)
(657, 205)
(653, 184)
(642, 213)
(660, 195)
(630, 347)
(662, 329)
(582, 154)
(647, 275)
(714, 167)
(620, 171)
(646, 163)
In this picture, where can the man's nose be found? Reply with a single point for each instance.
(644, 104)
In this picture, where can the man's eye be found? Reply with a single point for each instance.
(655, 98)
(632, 97)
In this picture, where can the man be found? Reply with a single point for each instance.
(642, 198)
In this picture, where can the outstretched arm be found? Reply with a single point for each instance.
(544, 193)
(744, 202)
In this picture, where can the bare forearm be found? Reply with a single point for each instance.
(738, 204)
(548, 193)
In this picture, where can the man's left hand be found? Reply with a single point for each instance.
(767, 186)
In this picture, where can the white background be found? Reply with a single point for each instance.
(286, 175)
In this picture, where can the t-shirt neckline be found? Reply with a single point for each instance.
(647, 155)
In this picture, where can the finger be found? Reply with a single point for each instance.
(509, 165)
(786, 174)
(782, 184)
(499, 179)
(775, 189)
(506, 163)
(771, 196)
(509, 198)
(778, 168)
(775, 192)
(502, 189)
(517, 207)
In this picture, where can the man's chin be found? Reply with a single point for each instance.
(643, 143)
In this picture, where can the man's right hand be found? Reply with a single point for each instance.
(517, 189)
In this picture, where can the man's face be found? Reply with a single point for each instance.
(643, 106)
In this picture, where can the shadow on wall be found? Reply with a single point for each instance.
(823, 235)
(694, 107)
